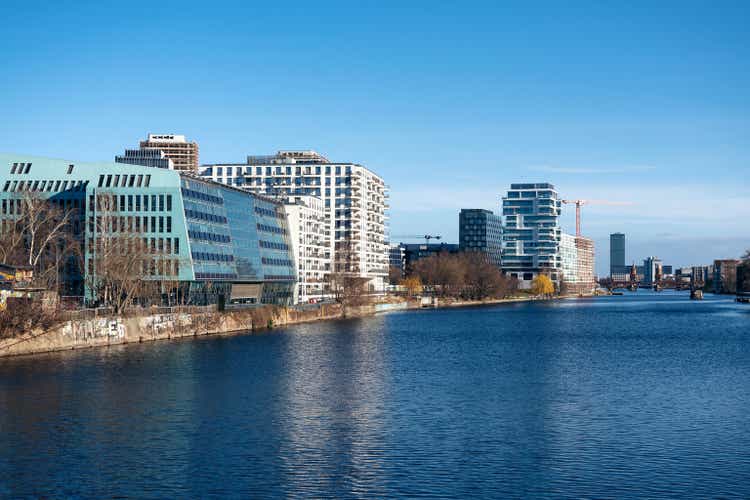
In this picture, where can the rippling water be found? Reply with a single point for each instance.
(644, 395)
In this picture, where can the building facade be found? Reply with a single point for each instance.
(577, 264)
(415, 251)
(212, 243)
(310, 232)
(725, 275)
(147, 157)
(617, 254)
(532, 234)
(397, 259)
(184, 154)
(652, 270)
(355, 201)
(481, 230)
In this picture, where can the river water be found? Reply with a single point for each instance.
(641, 395)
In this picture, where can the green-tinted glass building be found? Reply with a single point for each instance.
(222, 244)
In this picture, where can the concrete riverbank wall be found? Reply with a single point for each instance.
(103, 331)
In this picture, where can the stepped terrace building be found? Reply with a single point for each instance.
(218, 244)
(532, 234)
(354, 203)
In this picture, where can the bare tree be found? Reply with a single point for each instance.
(345, 284)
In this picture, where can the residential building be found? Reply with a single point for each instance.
(183, 154)
(397, 258)
(355, 201)
(577, 264)
(148, 157)
(617, 254)
(531, 235)
(217, 244)
(310, 232)
(725, 275)
(481, 230)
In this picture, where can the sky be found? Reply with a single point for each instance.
(643, 105)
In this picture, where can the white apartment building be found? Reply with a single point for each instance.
(310, 234)
(355, 202)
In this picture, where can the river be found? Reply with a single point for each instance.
(641, 395)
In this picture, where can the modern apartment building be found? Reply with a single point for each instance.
(355, 201)
(532, 234)
(218, 244)
(147, 157)
(481, 230)
(577, 264)
(652, 269)
(183, 154)
(310, 232)
(617, 254)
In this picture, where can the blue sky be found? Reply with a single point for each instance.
(645, 103)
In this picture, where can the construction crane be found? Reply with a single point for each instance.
(427, 237)
(580, 203)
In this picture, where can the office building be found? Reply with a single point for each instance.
(617, 254)
(531, 235)
(309, 232)
(183, 154)
(397, 259)
(354, 200)
(147, 157)
(481, 231)
(652, 271)
(725, 275)
(214, 243)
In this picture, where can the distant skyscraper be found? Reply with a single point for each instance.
(651, 267)
(184, 154)
(617, 254)
(482, 231)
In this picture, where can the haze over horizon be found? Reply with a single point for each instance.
(640, 104)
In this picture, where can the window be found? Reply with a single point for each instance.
(130, 203)
(176, 245)
(169, 202)
(169, 224)
(131, 181)
(161, 203)
(13, 168)
(148, 180)
(153, 203)
(145, 203)
(28, 168)
(70, 169)
(109, 181)
(137, 203)
(161, 224)
(140, 181)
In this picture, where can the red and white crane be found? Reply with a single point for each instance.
(580, 203)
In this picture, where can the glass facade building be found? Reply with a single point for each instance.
(222, 244)
(531, 235)
(617, 254)
(481, 231)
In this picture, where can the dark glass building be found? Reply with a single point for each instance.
(481, 230)
(617, 254)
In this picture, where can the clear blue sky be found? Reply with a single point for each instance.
(644, 103)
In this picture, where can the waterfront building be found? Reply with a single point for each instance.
(355, 201)
(148, 157)
(725, 275)
(532, 234)
(577, 264)
(652, 268)
(214, 243)
(397, 258)
(309, 232)
(481, 230)
(183, 154)
(415, 251)
(617, 255)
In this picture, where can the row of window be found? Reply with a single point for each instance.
(271, 229)
(283, 277)
(206, 236)
(276, 262)
(41, 186)
(20, 168)
(161, 246)
(274, 245)
(117, 180)
(215, 276)
(220, 171)
(213, 257)
(268, 212)
(152, 267)
(132, 203)
(197, 195)
(195, 214)
(130, 224)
